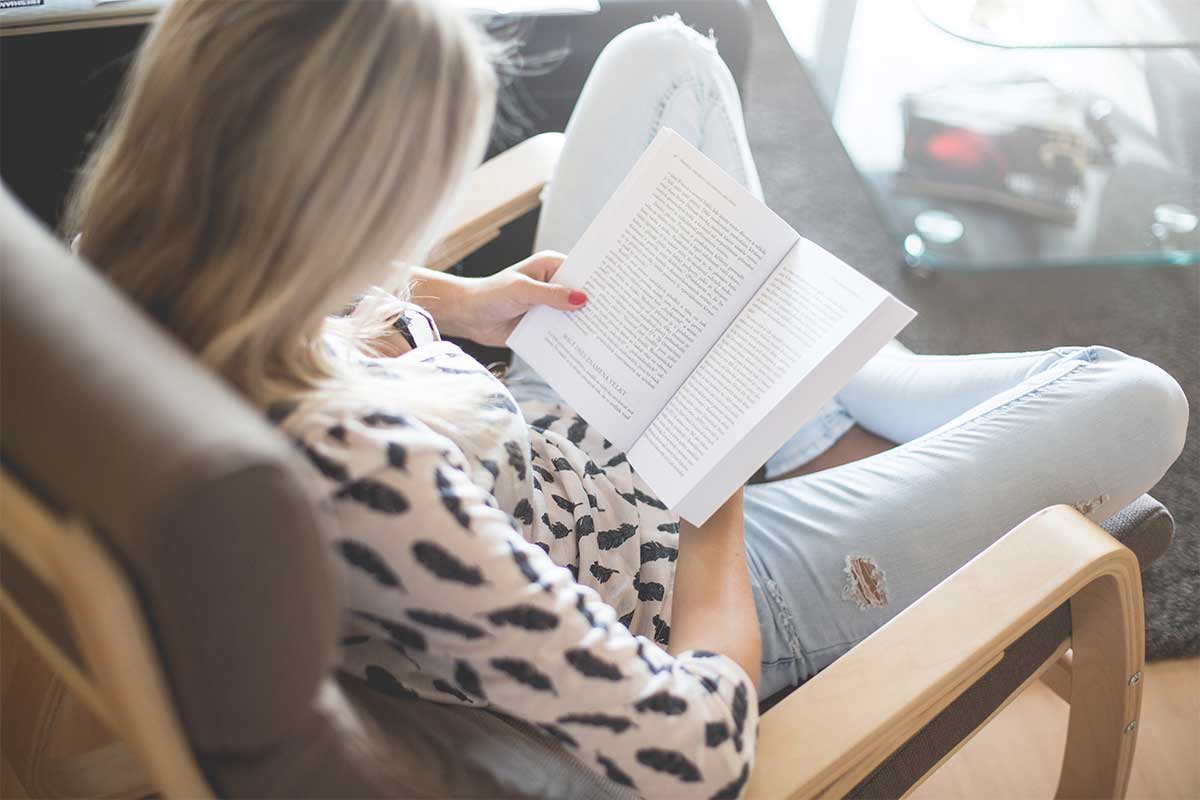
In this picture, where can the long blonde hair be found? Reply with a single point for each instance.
(269, 160)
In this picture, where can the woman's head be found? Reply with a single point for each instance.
(269, 159)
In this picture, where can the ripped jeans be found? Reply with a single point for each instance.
(983, 441)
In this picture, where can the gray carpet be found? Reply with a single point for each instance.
(1152, 313)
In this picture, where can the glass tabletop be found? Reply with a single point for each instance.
(991, 138)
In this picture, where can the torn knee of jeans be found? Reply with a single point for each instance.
(675, 23)
(866, 585)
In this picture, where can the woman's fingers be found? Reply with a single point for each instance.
(541, 265)
(536, 292)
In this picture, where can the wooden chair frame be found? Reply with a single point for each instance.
(850, 718)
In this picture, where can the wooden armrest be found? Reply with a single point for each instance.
(499, 191)
(834, 730)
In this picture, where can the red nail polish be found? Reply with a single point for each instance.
(577, 298)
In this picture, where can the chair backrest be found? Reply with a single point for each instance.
(203, 603)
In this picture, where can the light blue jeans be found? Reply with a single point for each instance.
(984, 440)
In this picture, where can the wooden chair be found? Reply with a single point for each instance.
(1057, 598)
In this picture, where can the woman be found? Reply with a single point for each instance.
(268, 164)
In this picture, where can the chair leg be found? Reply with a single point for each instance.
(1108, 644)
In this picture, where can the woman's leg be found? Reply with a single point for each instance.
(655, 75)
(836, 554)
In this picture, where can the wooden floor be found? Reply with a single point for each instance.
(1017, 756)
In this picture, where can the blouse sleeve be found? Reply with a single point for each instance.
(437, 557)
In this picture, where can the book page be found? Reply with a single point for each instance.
(810, 312)
(667, 265)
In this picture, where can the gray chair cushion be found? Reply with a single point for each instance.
(196, 494)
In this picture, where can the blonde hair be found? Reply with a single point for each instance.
(269, 160)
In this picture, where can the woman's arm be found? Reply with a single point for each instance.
(486, 310)
(713, 607)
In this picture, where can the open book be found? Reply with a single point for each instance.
(712, 333)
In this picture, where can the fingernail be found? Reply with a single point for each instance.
(577, 298)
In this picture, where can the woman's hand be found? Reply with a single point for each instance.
(486, 310)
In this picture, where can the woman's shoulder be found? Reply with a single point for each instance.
(352, 444)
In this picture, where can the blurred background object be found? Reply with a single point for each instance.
(1053, 133)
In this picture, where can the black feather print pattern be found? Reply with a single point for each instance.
(669, 527)
(710, 685)
(401, 327)
(574, 570)
(524, 511)
(452, 502)
(501, 402)
(671, 762)
(627, 620)
(383, 420)
(613, 723)
(581, 605)
(662, 703)
(737, 708)
(591, 666)
(601, 573)
(453, 691)
(715, 733)
(524, 673)
(398, 632)
(522, 559)
(733, 789)
(606, 444)
(326, 466)
(560, 464)
(653, 551)
(559, 530)
(613, 772)
(545, 474)
(662, 631)
(616, 460)
(629, 497)
(590, 468)
(653, 502)
(350, 641)
(374, 495)
(545, 548)
(544, 422)
(577, 431)
(654, 668)
(592, 501)
(585, 525)
(516, 458)
(564, 503)
(381, 680)
(365, 558)
(397, 456)
(441, 563)
(559, 734)
(650, 590)
(529, 617)
(491, 466)
(445, 622)
(537, 484)
(610, 540)
(466, 677)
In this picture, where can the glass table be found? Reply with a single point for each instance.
(1007, 134)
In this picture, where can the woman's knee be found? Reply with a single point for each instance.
(665, 44)
(1151, 405)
